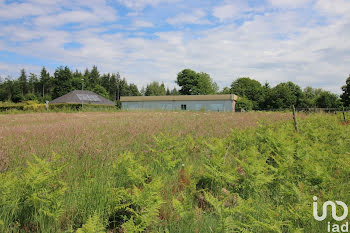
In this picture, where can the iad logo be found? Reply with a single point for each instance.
(334, 227)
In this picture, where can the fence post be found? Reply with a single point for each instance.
(295, 120)
(344, 115)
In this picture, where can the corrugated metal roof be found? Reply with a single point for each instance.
(79, 96)
(177, 98)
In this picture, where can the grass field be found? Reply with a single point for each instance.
(169, 171)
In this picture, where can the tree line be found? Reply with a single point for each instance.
(253, 94)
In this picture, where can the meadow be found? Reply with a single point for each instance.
(170, 171)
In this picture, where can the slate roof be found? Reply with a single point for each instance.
(79, 96)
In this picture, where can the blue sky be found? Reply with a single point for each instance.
(304, 41)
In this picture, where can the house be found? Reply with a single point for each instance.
(217, 103)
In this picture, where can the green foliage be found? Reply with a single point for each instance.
(140, 209)
(328, 100)
(243, 103)
(100, 90)
(193, 83)
(93, 225)
(62, 82)
(155, 89)
(33, 198)
(112, 86)
(284, 95)
(249, 89)
(255, 180)
(345, 96)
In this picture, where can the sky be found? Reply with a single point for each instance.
(303, 41)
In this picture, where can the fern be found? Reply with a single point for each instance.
(34, 196)
(93, 225)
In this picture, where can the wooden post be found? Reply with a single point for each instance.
(295, 120)
(344, 115)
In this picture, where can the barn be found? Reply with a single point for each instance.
(82, 97)
(217, 103)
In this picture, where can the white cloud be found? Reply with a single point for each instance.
(290, 3)
(142, 24)
(230, 10)
(332, 7)
(140, 4)
(195, 17)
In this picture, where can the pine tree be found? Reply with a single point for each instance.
(23, 82)
(45, 81)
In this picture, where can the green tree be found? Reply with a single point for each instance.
(105, 82)
(285, 95)
(327, 100)
(226, 90)
(123, 88)
(33, 82)
(155, 89)
(265, 101)
(45, 81)
(309, 97)
(98, 89)
(14, 90)
(345, 96)
(188, 81)
(174, 91)
(23, 82)
(93, 78)
(206, 85)
(114, 86)
(133, 90)
(250, 89)
(78, 80)
(193, 83)
(62, 82)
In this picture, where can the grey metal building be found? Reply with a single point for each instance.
(217, 103)
(82, 97)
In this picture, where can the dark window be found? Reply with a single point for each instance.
(183, 106)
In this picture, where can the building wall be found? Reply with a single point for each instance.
(207, 105)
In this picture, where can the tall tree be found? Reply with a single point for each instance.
(187, 79)
(123, 88)
(155, 89)
(62, 82)
(285, 95)
(113, 87)
(98, 89)
(94, 77)
(174, 91)
(206, 85)
(250, 89)
(23, 82)
(133, 90)
(45, 81)
(193, 83)
(345, 96)
(78, 81)
(327, 100)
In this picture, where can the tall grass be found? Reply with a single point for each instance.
(259, 179)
